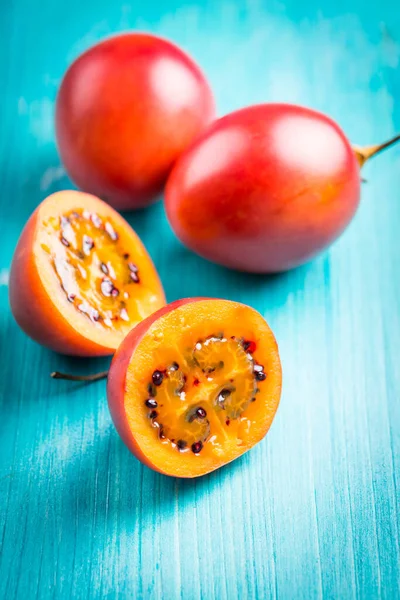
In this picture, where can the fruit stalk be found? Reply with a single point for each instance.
(364, 153)
(89, 378)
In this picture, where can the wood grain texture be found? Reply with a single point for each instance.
(313, 511)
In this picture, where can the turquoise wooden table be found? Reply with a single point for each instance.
(313, 510)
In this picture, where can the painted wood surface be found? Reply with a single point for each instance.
(313, 511)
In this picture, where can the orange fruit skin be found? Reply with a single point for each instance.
(126, 109)
(40, 310)
(117, 390)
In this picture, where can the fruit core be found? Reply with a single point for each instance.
(95, 272)
(202, 399)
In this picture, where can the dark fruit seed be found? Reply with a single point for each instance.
(111, 231)
(161, 434)
(249, 346)
(104, 268)
(106, 287)
(64, 241)
(126, 255)
(196, 381)
(151, 389)
(260, 376)
(133, 267)
(174, 366)
(227, 422)
(181, 444)
(95, 220)
(222, 396)
(94, 314)
(88, 244)
(157, 377)
(124, 315)
(134, 276)
(196, 447)
(151, 403)
(71, 297)
(201, 413)
(153, 414)
(208, 370)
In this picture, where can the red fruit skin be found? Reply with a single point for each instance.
(126, 109)
(265, 188)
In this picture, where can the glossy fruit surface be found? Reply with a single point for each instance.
(80, 276)
(126, 109)
(195, 385)
(265, 188)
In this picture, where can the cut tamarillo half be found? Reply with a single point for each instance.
(80, 276)
(195, 385)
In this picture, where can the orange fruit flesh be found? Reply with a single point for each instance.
(95, 268)
(202, 386)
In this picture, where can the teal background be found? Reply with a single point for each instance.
(312, 511)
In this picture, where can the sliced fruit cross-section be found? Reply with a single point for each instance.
(195, 385)
(80, 277)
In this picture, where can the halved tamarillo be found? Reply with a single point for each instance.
(80, 276)
(266, 188)
(195, 385)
